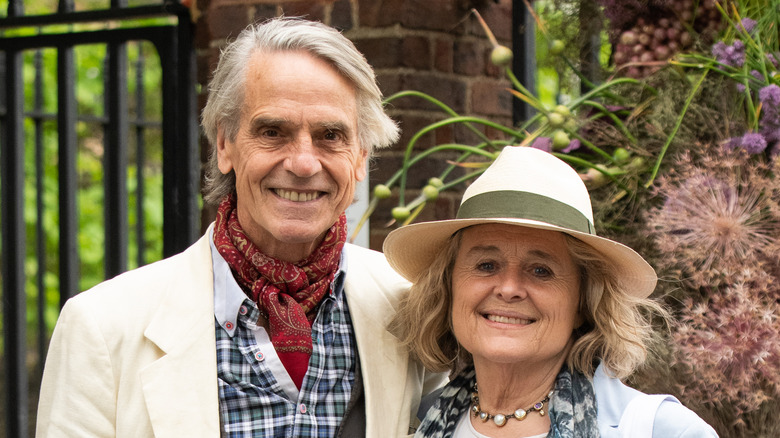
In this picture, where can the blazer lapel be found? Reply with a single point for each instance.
(180, 388)
(383, 362)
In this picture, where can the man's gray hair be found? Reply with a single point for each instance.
(226, 89)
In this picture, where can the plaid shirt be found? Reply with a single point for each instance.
(252, 398)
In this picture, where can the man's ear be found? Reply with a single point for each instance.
(224, 147)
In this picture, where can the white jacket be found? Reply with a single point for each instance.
(670, 420)
(135, 356)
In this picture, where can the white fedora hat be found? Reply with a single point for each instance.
(526, 187)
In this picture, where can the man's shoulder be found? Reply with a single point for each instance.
(368, 271)
(370, 263)
(149, 279)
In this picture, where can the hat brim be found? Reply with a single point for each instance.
(411, 249)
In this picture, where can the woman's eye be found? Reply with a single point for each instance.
(542, 271)
(486, 266)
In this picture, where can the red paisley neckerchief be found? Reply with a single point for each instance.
(287, 292)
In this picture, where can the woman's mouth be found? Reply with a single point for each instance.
(508, 320)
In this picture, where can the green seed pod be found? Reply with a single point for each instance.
(560, 140)
(636, 163)
(430, 192)
(555, 119)
(436, 182)
(381, 191)
(400, 214)
(571, 124)
(594, 179)
(621, 155)
(501, 56)
(562, 110)
(557, 47)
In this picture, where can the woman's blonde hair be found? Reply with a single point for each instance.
(617, 330)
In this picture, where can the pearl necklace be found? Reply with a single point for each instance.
(500, 419)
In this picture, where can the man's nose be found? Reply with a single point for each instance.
(303, 159)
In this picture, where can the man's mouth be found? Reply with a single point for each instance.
(294, 196)
(508, 320)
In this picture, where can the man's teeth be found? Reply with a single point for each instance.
(296, 196)
(507, 320)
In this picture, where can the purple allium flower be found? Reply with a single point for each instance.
(749, 24)
(719, 50)
(573, 146)
(740, 88)
(772, 59)
(738, 54)
(757, 74)
(771, 132)
(753, 143)
(769, 125)
(770, 95)
(542, 143)
(732, 55)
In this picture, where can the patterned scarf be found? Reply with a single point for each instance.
(572, 410)
(287, 293)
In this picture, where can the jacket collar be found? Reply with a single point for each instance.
(384, 363)
(180, 388)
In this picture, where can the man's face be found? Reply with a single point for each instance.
(296, 155)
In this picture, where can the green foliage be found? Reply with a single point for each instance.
(89, 92)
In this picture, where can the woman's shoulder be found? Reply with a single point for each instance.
(619, 405)
(673, 419)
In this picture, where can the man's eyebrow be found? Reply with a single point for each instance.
(265, 121)
(329, 125)
(334, 126)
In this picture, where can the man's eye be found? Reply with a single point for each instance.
(270, 132)
(331, 135)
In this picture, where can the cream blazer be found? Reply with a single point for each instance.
(135, 356)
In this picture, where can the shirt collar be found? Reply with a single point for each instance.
(229, 297)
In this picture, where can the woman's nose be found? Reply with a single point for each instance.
(511, 287)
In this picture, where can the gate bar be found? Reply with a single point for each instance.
(14, 241)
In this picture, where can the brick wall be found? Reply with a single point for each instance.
(433, 46)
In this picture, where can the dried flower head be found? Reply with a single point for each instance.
(715, 217)
(730, 342)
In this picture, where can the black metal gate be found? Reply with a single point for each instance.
(21, 137)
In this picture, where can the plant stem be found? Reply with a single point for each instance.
(431, 127)
(440, 104)
(620, 125)
(366, 214)
(677, 125)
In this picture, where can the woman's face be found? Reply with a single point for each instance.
(515, 294)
